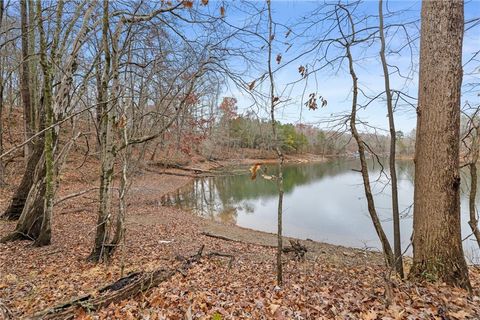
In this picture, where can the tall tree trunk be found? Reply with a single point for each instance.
(397, 246)
(33, 63)
(437, 245)
(45, 235)
(116, 95)
(100, 250)
(273, 102)
(25, 79)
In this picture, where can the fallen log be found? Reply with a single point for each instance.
(216, 236)
(181, 174)
(295, 245)
(181, 167)
(121, 289)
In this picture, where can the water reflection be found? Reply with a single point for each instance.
(323, 201)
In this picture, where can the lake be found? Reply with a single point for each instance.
(323, 201)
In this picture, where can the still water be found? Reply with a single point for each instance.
(323, 201)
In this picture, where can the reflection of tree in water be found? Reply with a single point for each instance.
(225, 197)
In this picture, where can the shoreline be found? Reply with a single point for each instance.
(247, 235)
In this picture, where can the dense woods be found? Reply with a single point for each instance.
(137, 136)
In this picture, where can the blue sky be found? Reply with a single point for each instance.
(334, 83)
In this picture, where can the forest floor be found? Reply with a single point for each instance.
(332, 282)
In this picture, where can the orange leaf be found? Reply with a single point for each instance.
(188, 4)
(204, 2)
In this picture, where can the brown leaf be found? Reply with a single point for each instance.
(370, 315)
(279, 58)
(204, 2)
(460, 315)
(273, 308)
(302, 71)
(312, 102)
(222, 11)
(188, 4)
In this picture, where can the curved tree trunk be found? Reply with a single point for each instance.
(30, 222)
(437, 244)
(17, 204)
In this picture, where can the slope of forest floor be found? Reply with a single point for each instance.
(332, 282)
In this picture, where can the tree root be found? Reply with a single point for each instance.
(297, 248)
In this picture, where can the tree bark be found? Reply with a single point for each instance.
(397, 246)
(25, 79)
(101, 249)
(30, 221)
(2, 166)
(437, 245)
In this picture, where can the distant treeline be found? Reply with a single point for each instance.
(242, 131)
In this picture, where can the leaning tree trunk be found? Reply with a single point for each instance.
(473, 222)
(29, 224)
(397, 246)
(437, 244)
(17, 204)
(33, 149)
(387, 249)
